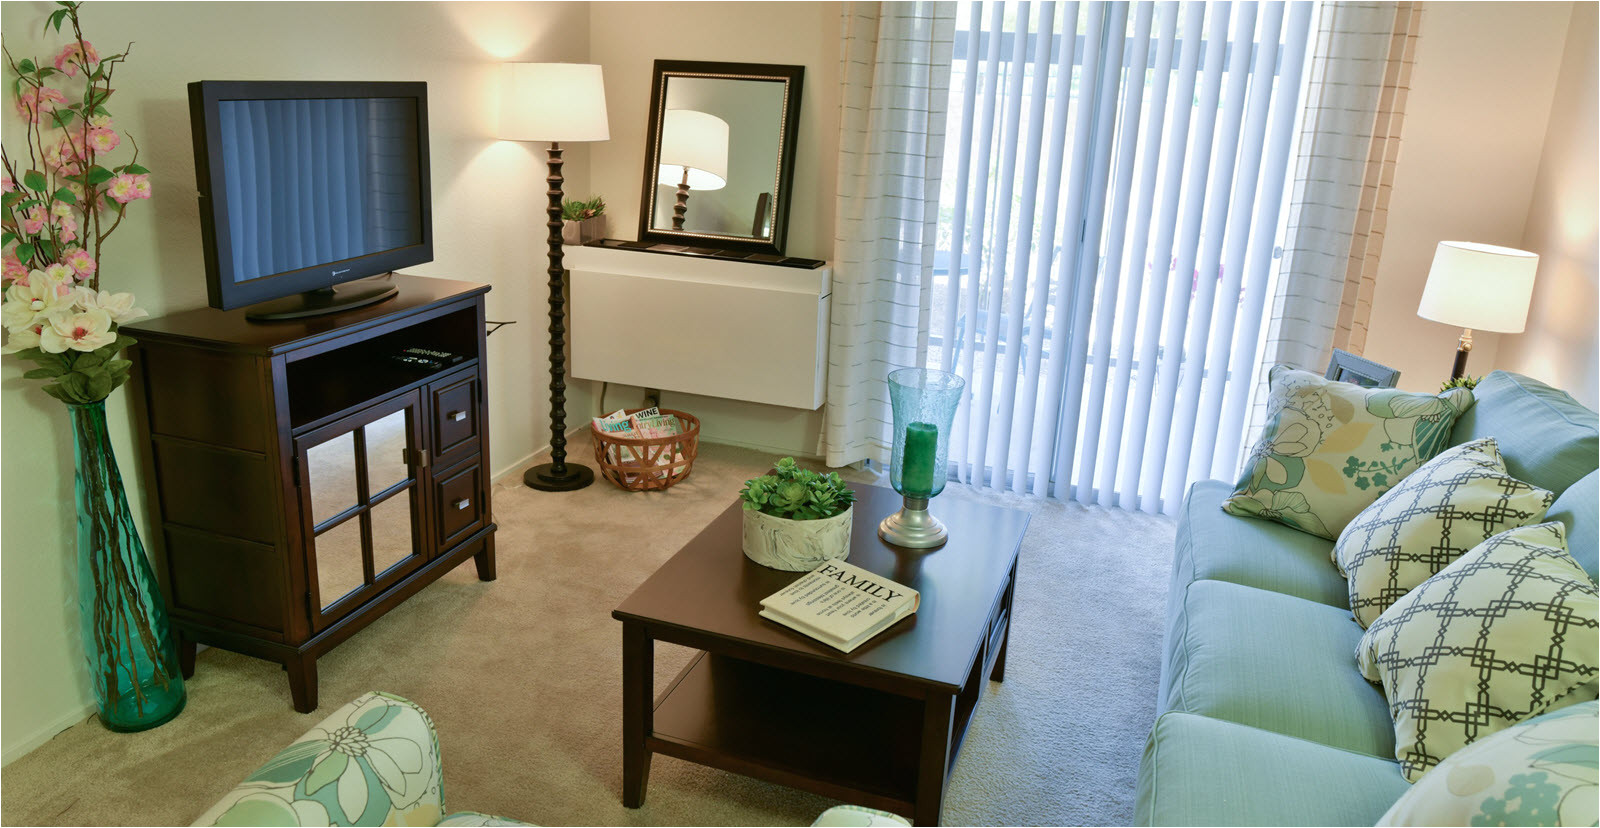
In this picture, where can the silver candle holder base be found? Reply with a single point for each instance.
(913, 527)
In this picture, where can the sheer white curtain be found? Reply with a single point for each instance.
(1107, 226)
(894, 84)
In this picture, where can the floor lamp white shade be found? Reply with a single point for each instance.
(1479, 286)
(696, 140)
(552, 102)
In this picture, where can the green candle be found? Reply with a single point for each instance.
(916, 472)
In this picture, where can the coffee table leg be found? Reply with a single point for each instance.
(933, 763)
(999, 671)
(638, 671)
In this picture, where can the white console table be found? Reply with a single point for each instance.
(714, 327)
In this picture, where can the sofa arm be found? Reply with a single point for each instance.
(375, 761)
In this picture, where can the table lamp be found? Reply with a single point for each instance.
(694, 156)
(554, 102)
(1478, 286)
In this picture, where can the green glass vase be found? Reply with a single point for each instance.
(133, 659)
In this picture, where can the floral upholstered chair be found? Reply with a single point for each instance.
(375, 761)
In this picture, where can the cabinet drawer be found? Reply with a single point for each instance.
(455, 417)
(459, 498)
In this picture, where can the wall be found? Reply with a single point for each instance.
(1475, 122)
(627, 38)
(1560, 344)
(488, 226)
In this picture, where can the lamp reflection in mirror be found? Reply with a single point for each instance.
(694, 156)
(1478, 286)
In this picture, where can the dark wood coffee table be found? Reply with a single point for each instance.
(879, 727)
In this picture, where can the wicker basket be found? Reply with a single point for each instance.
(635, 464)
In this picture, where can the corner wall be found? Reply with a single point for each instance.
(488, 227)
(627, 38)
(1560, 345)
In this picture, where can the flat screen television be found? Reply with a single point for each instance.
(308, 186)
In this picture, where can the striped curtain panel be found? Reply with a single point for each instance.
(894, 79)
(1108, 216)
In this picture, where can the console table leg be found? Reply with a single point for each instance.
(485, 560)
(638, 674)
(302, 682)
(933, 761)
(186, 651)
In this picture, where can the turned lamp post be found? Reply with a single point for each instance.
(1478, 286)
(555, 103)
(694, 156)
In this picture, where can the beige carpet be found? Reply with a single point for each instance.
(523, 678)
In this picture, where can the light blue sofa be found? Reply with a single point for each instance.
(1263, 718)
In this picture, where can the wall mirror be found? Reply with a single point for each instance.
(719, 155)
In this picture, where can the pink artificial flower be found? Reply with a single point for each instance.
(63, 157)
(33, 222)
(6, 184)
(81, 263)
(127, 187)
(72, 57)
(34, 102)
(15, 271)
(69, 227)
(103, 139)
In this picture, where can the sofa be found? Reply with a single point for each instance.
(1263, 717)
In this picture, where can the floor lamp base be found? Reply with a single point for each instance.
(540, 477)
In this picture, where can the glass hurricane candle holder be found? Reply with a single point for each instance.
(924, 402)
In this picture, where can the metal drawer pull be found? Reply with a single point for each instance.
(457, 416)
(462, 503)
(414, 457)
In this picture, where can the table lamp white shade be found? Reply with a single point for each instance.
(1479, 286)
(552, 102)
(696, 140)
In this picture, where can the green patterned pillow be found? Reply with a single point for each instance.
(1541, 772)
(1453, 503)
(1505, 632)
(1330, 448)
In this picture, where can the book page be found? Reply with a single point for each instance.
(841, 600)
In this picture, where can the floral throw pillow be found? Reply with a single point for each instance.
(1453, 503)
(1541, 772)
(1331, 448)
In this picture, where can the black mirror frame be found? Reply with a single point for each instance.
(792, 77)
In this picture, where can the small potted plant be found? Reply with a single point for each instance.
(583, 221)
(795, 519)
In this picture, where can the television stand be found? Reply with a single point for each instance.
(335, 299)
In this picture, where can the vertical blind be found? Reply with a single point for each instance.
(1108, 212)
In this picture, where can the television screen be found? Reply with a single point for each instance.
(305, 185)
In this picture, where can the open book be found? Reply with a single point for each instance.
(840, 605)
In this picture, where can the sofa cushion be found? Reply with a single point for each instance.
(1547, 438)
(1541, 772)
(1578, 508)
(1330, 448)
(1274, 662)
(1200, 771)
(1453, 503)
(1214, 545)
(1508, 631)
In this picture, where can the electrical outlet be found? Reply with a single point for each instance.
(652, 398)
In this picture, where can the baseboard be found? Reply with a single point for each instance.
(45, 734)
(780, 452)
(516, 468)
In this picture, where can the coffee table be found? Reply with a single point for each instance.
(879, 727)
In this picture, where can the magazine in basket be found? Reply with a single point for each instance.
(840, 605)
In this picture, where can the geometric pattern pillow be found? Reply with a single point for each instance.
(1505, 632)
(1331, 448)
(1438, 512)
(1541, 772)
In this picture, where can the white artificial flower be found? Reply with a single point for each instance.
(30, 305)
(60, 274)
(118, 305)
(79, 332)
(20, 340)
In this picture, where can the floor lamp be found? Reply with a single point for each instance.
(555, 103)
(694, 156)
(1478, 286)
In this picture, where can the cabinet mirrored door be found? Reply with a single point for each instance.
(361, 504)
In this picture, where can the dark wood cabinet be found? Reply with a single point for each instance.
(304, 481)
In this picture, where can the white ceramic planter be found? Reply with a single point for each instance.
(796, 545)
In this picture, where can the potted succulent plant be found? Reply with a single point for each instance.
(795, 519)
(583, 221)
